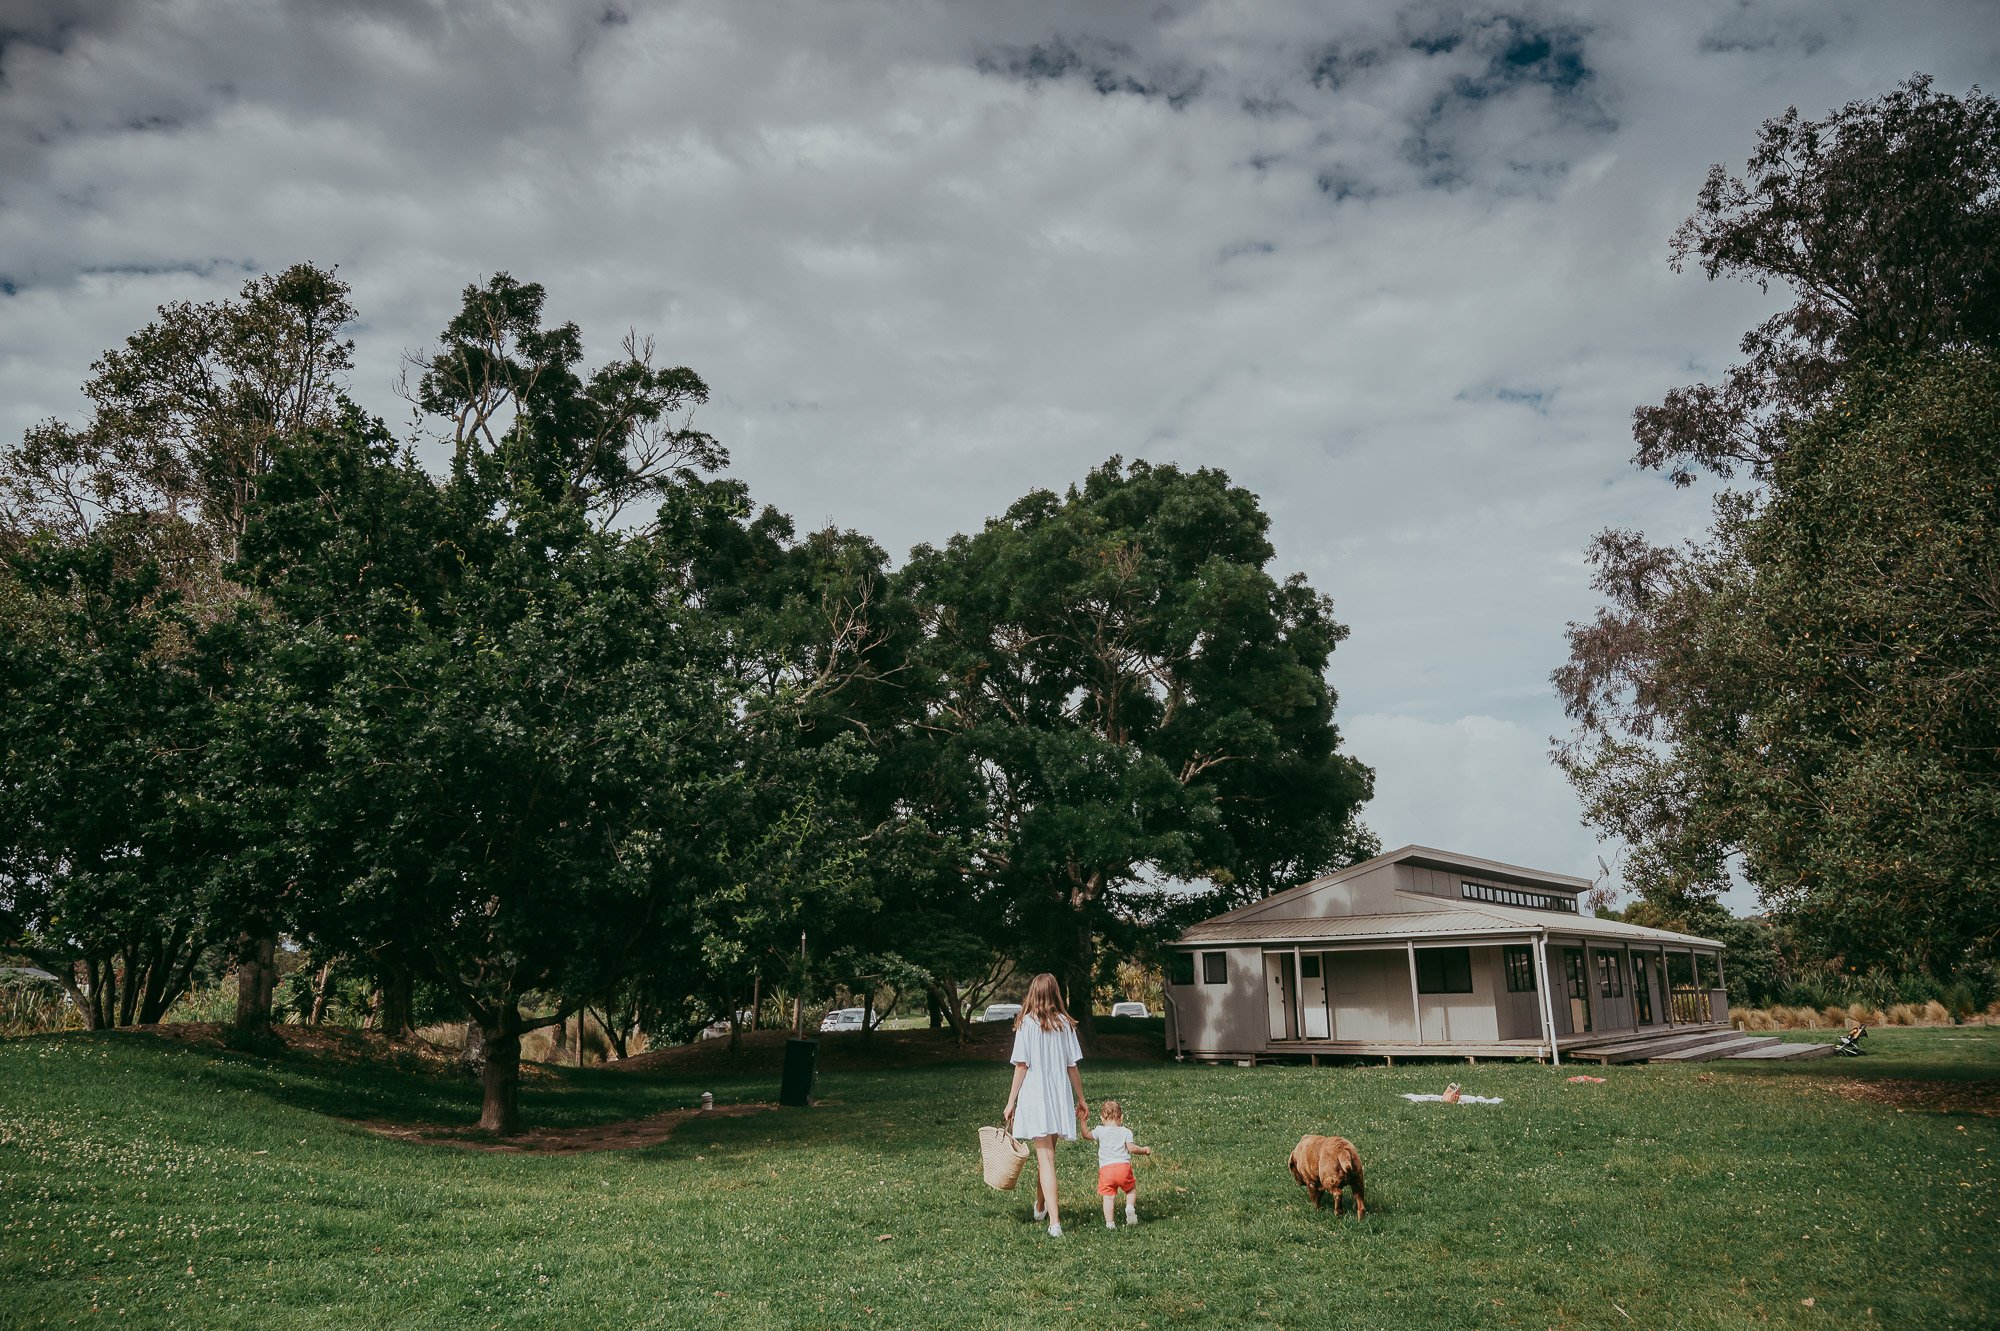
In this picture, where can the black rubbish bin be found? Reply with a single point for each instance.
(801, 1073)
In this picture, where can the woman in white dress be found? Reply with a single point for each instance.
(1046, 1101)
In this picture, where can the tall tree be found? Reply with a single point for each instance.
(185, 422)
(509, 731)
(1822, 683)
(1882, 221)
(110, 811)
(1733, 701)
(1135, 698)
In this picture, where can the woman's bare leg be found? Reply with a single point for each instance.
(1045, 1176)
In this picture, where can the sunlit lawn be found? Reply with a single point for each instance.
(144, 1184)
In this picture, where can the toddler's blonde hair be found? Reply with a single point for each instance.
(1111, 1111)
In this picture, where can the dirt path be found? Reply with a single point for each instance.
(630, 1135)
(1937, 1097)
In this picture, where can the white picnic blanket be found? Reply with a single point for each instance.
(1462, 1099)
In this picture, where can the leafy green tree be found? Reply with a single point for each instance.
(111, 820)
(1740, 703)
(1821, 677)
(185, 421)
(1882, 220)
(1132, 697)
(509, 733)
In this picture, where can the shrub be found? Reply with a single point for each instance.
(1959, 1000)
(1903, 1014)
(1936, 1012)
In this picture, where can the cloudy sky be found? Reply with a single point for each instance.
(1400, 269)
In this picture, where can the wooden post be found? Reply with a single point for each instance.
(1548, 999)
(580, 1014)
(1299, 996)
(1666, 985)
(1631, 988)
(1416, 999)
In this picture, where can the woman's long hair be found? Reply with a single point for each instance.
(1044, 1003)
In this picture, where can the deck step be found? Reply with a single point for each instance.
(1792, 1049)
(1726, 1047)
(1647, 1046)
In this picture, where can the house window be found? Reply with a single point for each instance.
(1180, 968)
(1444, 970)
(1610, 980)
(1309, 966)
(1215, 968)
(1508, 896)
(1520, 963)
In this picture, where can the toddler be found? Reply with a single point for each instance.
(1114, 1162)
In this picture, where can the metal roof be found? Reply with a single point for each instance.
(1429, 857)
(1437, 917)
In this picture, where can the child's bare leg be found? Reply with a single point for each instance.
(1045, 1177)
(1110, 1210)
(1131, 1198)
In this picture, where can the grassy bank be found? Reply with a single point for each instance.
(149, 1184)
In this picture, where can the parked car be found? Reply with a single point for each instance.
(1000, 1012)
(843, 1019)
(1129, 1010)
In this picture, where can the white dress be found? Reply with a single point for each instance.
(1045, 1105)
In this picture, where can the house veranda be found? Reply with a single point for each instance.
(1424, 952)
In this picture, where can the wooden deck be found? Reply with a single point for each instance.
(1661, 1044)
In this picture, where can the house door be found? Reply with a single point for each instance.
(1312, 997)
(1279, 989)
(1642, 989)
(1577, 977)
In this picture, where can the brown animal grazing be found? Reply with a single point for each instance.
(1328, 1164)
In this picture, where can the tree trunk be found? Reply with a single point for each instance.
(1083, 969)
(84, 992)
(934, 1009)
(867, 1015)
(474, 1054)
(322, 991)
(756, 999)
(256, 983)
(395, 1012)
(735, 1033)
(947, 1001)
(500, 1076)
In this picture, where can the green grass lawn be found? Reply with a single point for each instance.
(146, 1184)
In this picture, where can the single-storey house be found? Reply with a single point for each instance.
(1427, 952)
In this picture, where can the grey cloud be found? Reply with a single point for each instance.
(1399, 269)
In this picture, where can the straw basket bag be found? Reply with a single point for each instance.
(1001, 1157)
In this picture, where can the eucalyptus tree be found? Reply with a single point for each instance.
(186, 419)
(1803, 695)
(1135, 698)
(112, 825)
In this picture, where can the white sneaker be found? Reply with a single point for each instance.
(1041, 1213)
(1055, 1231)
(1131, 1217)
(1111, 1224)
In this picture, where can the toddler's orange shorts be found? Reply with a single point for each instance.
(1114, 1179)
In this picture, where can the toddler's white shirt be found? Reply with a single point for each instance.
(1113, 1145)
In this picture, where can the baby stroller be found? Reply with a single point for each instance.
(1850, 1043)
